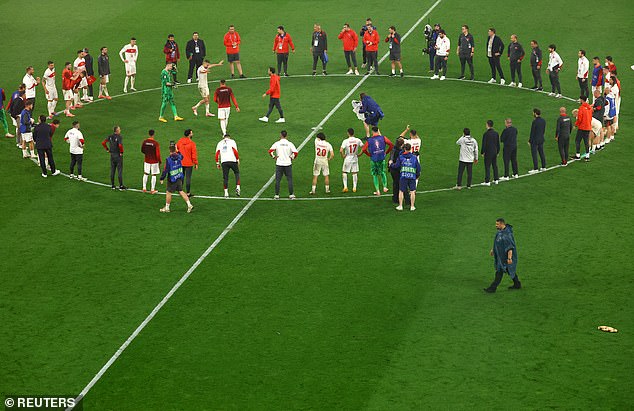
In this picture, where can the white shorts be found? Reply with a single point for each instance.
(223, 113)
(596, 126)
(204, 91)
(52, 93)
(83, 83)
(321, 167)
(106, 78)
(130, 68)
(151, 168)
(351, 164)
(27, 137)
(68, 95)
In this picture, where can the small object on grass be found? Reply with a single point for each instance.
(607, 329)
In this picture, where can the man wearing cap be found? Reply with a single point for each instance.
(504, 253)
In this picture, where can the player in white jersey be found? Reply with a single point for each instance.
(414, 140)
(129, 55)
(203, 86)
(350, 151)
(323, 154)
(227, 158)
(31, 84)
(49, 88)
(79, 65)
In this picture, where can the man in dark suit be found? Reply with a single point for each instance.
(509, 152)
(195, 52)
(490, 149)
(536, 141)
(495, 48)
(42, 134)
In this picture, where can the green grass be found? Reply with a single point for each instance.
(318, 304)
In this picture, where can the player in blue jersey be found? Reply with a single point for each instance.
(410, 172)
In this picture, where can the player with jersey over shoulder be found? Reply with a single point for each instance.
(323, 154)
(50, 89)
(227, 158)
(129, 54)
(374, 148)
(410, 172)
(350, 150)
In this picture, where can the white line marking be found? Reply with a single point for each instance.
(235, 220)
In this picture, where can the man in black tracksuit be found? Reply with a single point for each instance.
(114, 145)
(465, 51)
(495, 48)
(90, 71)
(562, 135)
(319, 47)
(536, 65)
(509, 152)
(536, 140)
(490, 149)
(516, 55)
(195, 52)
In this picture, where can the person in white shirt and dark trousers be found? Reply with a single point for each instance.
(75, 139)
(555, 63)
(228, 158)
(468, 157)
(443, 45)
(284, 152)
(583, 67)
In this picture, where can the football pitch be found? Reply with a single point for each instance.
(331, 301)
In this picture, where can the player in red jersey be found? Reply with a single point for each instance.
(152, 151)
(223, 96)
(69, 79)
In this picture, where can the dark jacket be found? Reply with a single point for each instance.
(17, 105)
(509, 138)
(322, 42)
(42, 136)
(497, 46)
(190, 49)
(515, 52)
(465, 45)
(90, 70)
(490, 143)
(564, 127)
(103, 65)
(538, 129)
(536, 57)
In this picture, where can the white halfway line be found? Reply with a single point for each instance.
(224, 233)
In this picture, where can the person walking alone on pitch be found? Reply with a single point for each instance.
(75, 140)
(562, 135)
(167, 94)
(468, 157)
(173, 171)
(274, 93)
(114, 145)
(223, 96)
(282, 44)
(42, 133)
(284, 152)
(227, 158)
(409, 168)
(375, 148)
(151, 150)
(490, 151)
(187, 147)
(195, 51)
(536, 141)
(350, 43)
(509, 152)
(504, 253)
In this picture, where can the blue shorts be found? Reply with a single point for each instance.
(406, 184)
(372, 121)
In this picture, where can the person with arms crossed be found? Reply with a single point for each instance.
(555, 63)
(195, 51)
(536, 66)
(76, 142)
(504, 253)
(203, 86)
(129, 54)
(228, 158)
(443, 47)
(31, 84)
(509, 152)
(26, 130)
(151, 150)
(562, 134)
(371, 42)
(468, 157)
(350, 151)
(113, 144)
(410, 173)
(167, 94)
(274, 93)
(583, 68)
(323, 154)
(173, 171)
(223, 96)
(103, 68)
(42, 135)
(375, 148)
(3, 116)
(495, 48)
(515, 55)
(490, 151)
(232, 43)
(282, 44)
(536, 141)
(394, 44)
(350, 43)
(172, 55)
(465, 50)
(284, 152)
(187, 147)
(50, 89)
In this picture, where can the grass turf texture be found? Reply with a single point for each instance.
(330, 327)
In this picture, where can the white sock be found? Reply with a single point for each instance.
(85, 92)
(125, 83)
(76, 98)
(167, 205)
(132, 81)
(144, 181)
(226, 192)
(314, 188)
(153, 182)
(392, 71)
(189, 203)
(25, 152)
(105, 90)
(101, 89)
(207, 108)
(51, 107)
(401, 70)
(345, 180)
(328, 188)
(354, 181)
(238, 187)
(223, 126)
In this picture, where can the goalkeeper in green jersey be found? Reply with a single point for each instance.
(167, 94)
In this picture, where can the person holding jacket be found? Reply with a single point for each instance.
(536, 141)
(350, 43)
(187, 148)
(173, 171)
(584, 126)
(515, 55)
(562, 135)
(468, 157)
(319, 48)
(490, 150)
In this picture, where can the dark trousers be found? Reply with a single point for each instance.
(494, 62)
(174, 71)
(90, 90)
(372, 61)
(396, 177)
(230, 165)
(275, 102)
(194, 63)
(583, 86)
(76, 159)
(563, 144)
(441, 64)
(554, 82)
(491, 161)
(461, 166)
(499, 274)
(510, 156)
(432, 58)
(351, 56)
(538, 148)
(365, 55)
(318, 56)
(283, 171)
(42, 154)
(187, 172)
(516, 67)
(581, 135)
(466, 60)
(282, 59)
(116, 164)
(537, 76)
